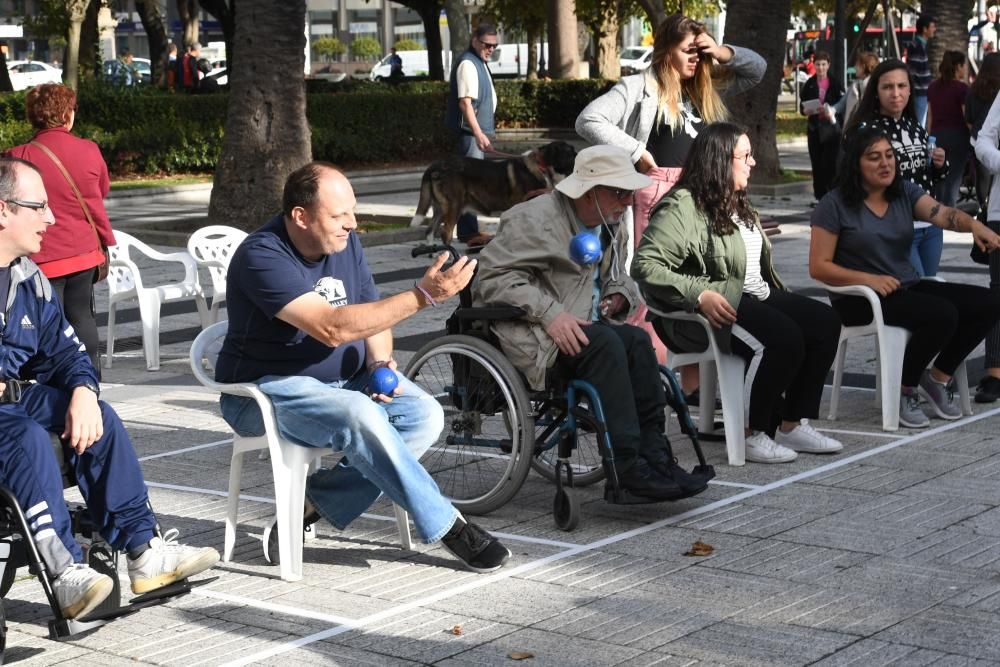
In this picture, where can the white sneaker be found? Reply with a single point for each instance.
(79, 590)
(166, 561)
(761, 449)
(804, 438)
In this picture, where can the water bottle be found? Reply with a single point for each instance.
(931, 145)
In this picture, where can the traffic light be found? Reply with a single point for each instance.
(855, 26)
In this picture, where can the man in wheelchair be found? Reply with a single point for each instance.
(306, 324)
(574, 324)
(36, 339)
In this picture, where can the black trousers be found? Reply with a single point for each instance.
(823, 143)
(621, 364)
(788, 342)
(993, 336)
(945, 319)
(76, 292)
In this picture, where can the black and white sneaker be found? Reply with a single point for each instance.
(480, 551)
(270, 539)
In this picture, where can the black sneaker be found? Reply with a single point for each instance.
(988, 390)
(694, 399)
(480, 551)
(641, 479)
(689, 484)
(270, 540)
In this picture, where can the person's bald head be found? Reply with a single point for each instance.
(318, 204)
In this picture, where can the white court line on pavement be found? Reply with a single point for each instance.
(613, 539)
(738, 485)
(872, 434)
(186, 449)
(271, 606)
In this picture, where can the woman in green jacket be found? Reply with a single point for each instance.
(705, 251)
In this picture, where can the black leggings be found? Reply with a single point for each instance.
(993, 337)
(788, 342)
(945, 319)
(76, 292)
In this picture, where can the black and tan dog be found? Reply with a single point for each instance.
(459, 184)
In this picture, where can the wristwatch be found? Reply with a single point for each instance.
(91, 386)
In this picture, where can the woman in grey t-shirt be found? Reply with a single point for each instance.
(861, 235)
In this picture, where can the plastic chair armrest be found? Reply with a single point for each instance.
(863, 291)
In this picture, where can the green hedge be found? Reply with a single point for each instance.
(354, 123)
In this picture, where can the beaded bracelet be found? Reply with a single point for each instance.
(425, 294)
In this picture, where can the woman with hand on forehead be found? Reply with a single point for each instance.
(655, 115)
(861, 235)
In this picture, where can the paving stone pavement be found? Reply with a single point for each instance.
(887, 553)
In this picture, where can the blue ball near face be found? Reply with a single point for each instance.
(585, 249)
(383, 381)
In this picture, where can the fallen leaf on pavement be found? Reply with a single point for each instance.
(457, 630)
(520, 655)
(699, 548)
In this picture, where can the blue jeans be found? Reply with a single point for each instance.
(925, 252)
(382, 443)
(468, 223)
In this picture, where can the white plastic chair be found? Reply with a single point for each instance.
(716, 369)
(125, 282)
(212, 247)
(890, 348)
(290, 463)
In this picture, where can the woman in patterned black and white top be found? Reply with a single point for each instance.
(888, 105)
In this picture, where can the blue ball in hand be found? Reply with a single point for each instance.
(585, 249)
(383, 381)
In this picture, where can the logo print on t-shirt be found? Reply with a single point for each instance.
(332, 290)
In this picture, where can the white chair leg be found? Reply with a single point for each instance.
(109, 350)
(403, 523)
(290, 469)
(149, 312)
(838, 378)
(203, 314)
(890, 368)
(731, 381)
(707, 386)
(232, 503)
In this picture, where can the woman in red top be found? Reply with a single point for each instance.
(946, 120)
(71, 250)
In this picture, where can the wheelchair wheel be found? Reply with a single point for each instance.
(586, 459)
(483, 454)
(566, 509)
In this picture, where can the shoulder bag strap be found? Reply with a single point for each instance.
(72, 184)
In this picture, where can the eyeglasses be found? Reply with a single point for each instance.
(745, 157)
(620, 194)
(40, 206)
(488, 45)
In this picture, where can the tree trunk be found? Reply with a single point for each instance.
(654, 11)
(458, 27)
(606, 39)
(533, 37)
(156, 32)
(952, 35)
(224, 12)
(429, 16)
(267, 135)
(188, 12)
(564, 54)
(760, 26)
(77, 10)
(5, 83)
(90, 56)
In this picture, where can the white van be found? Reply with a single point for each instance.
(414, 64)
(512, 59)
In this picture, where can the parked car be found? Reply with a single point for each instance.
(414, 64)
(635, 59)
(511, 60)
(26, 74)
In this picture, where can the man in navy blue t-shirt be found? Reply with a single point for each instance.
(306, 324)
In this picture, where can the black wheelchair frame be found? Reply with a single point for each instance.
(565, 412)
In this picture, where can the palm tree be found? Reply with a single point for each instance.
(951, 17)
(760, 26)
(267, 135)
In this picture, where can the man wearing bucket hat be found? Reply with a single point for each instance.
(575, 314)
